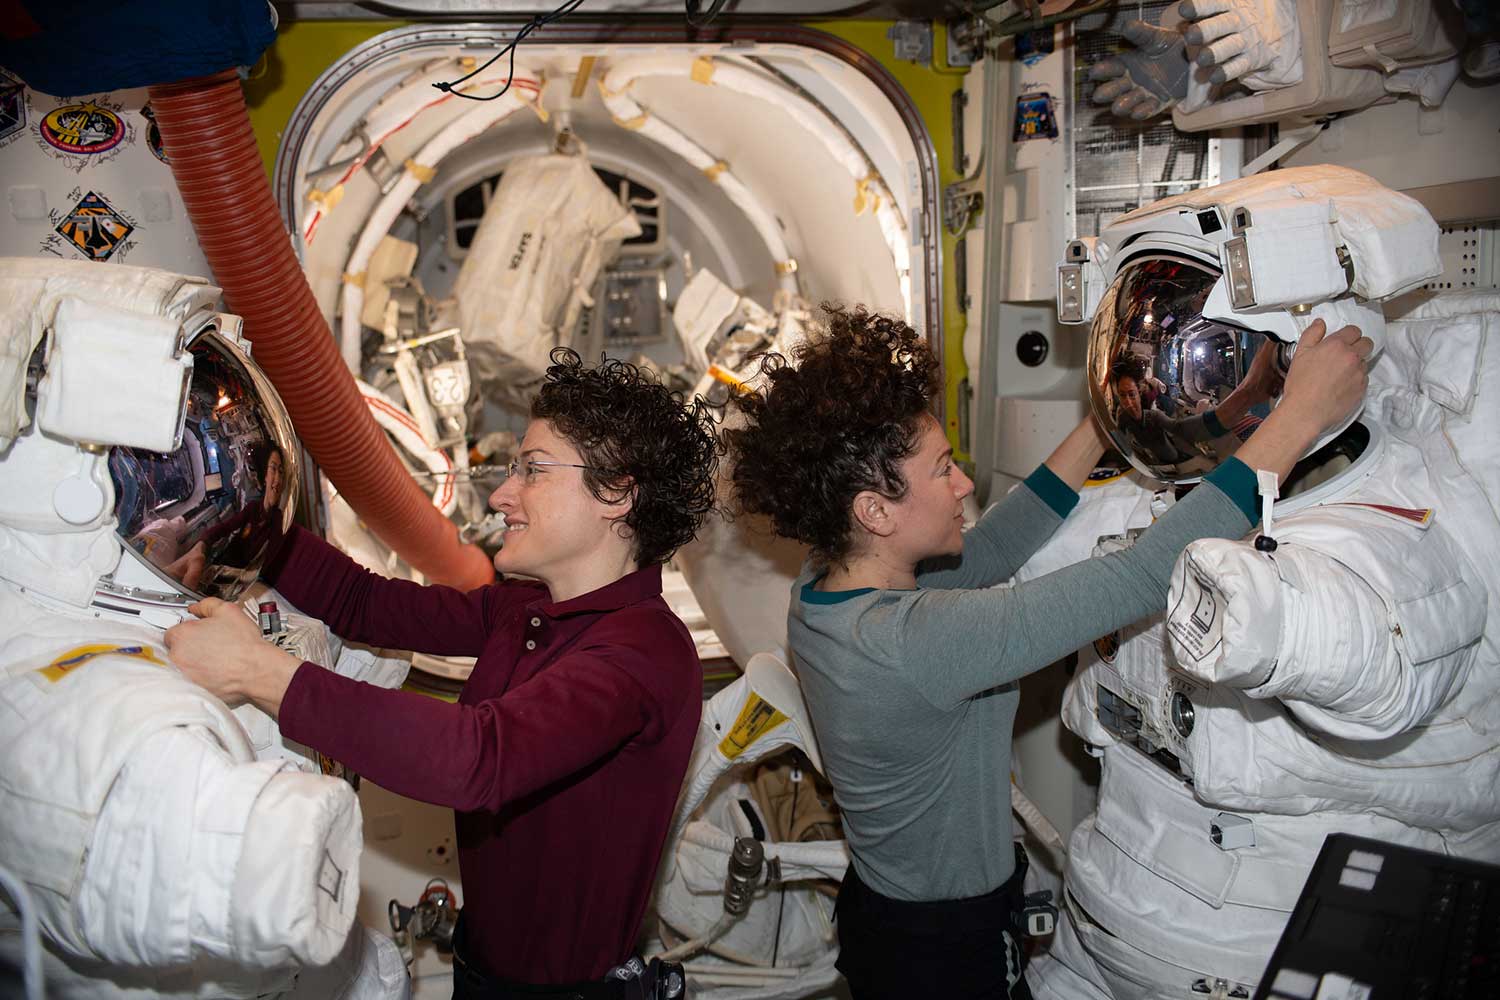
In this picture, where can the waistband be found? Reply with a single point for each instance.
(997, 908)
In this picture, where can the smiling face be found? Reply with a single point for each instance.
(1129, 395)
(556, 530)
(929, 519)
(274, 470)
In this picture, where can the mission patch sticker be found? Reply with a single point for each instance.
(12, 107)
(84, 129)
(95, 228)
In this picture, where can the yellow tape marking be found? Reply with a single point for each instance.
(757, 718)
(713, 170)
(703, 70)
(326, 200)
(355, 278)
(423, 173)
(75, 658)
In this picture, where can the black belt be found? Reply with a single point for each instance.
(471, 982)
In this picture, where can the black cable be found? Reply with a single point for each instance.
(535, 24)
(702, 20)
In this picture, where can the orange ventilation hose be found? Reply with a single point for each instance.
(205, 129)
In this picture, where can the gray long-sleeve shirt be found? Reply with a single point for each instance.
(913, 692)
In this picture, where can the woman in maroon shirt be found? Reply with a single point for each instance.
(564, 755)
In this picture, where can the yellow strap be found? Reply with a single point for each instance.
(355, 278)
(713, 170)
(581, 78)
(703, 70)
(606, 93)
(536, 105)
(423, 173)
(633, 124)
(788, 266)
(864, 198)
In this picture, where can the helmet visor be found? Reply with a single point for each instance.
(209, 515)
(1177, 393)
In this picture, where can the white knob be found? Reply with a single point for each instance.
(78, 500)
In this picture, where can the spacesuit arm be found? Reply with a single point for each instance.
(590, 702)
(961, 643)
(1347, 651)
(361, 606)
(1006, 536)
(197, 858)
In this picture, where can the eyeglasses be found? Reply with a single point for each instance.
(526, 468)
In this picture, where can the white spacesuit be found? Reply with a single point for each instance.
(158, 855)
(1342, 679)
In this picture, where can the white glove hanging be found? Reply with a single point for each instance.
(1257, 43)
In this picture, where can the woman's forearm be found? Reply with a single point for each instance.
(1079, 452)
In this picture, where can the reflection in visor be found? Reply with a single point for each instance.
(1176, 392)
(208, 516)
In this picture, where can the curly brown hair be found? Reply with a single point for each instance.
(836, 423)
(648, 441)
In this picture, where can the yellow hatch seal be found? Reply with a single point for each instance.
(757, 718)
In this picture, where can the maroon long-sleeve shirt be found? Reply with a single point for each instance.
(563, 757)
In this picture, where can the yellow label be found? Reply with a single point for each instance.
(757, 718)
(703, 70)
(75, 658)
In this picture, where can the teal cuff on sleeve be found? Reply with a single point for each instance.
(1212, 425)
(1237, 482)
(1053, 491)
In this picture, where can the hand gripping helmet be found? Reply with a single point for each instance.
(154, 434)
(1196, 303)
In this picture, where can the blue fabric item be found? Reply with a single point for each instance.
(1237, 482)
(1212, 425)
(72, 48)
(1057, 494)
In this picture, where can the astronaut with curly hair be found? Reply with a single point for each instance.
(908, 657)
(565, 753)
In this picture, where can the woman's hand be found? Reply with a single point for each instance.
(1326, 382)
(223, 652)
(1328, 378)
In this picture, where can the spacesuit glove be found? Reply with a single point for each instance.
(1255, 42)
(1142, 82)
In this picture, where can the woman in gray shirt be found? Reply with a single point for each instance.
(908, 661)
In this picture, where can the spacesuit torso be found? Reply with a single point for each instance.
(165, 846)
(1343, 682)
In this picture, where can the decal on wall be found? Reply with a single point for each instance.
(1034, 46)
(81, 133)
(1035, 118)
(153, 134)
(93, 228)
(13, 104)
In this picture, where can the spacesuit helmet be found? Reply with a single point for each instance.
(206, 517)
(1176, 391)
(1197, 301)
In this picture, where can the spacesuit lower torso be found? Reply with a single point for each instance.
(1344, 682)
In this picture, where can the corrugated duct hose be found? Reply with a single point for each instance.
(205, 129)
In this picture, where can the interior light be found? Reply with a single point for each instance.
(1241, 284)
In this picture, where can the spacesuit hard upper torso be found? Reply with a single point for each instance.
(1344, 682)
(164, 845)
